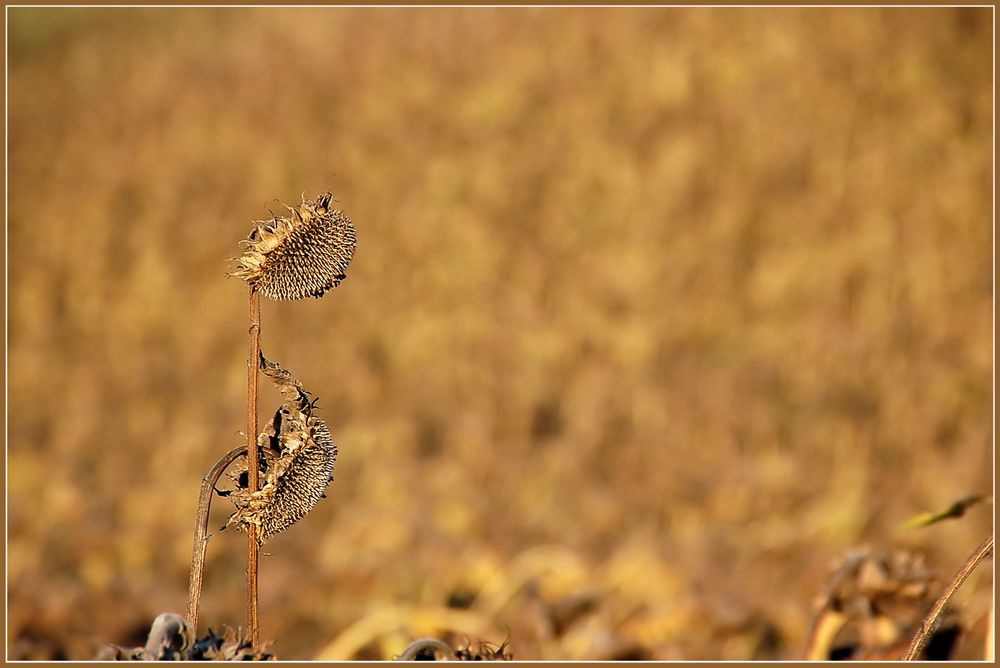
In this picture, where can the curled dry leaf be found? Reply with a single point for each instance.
(954, 511)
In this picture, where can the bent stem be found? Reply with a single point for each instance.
(208, 484)
(930, 622)
(253, 466)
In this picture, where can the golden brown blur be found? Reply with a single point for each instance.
(655, 316)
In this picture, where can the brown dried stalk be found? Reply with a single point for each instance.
(208, 484)
(253, 465)
(930, 622)
(988, 642)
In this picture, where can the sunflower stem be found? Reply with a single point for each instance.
(253, 466)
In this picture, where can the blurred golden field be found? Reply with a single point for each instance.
(656, 314)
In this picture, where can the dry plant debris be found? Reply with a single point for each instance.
(432, 649)
(171, 639)
(872, 606)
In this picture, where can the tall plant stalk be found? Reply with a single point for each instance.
(253, 465)
(930, 622)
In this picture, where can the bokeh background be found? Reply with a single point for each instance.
(655, 315)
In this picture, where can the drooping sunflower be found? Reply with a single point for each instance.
(297, 460)
(302, 255)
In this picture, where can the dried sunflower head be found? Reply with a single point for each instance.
(428, 649)
(303, 255)
(297, 460)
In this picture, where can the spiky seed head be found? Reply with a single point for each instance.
(294, 475)
(297, 460)
(299, 477)
(303, 255)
